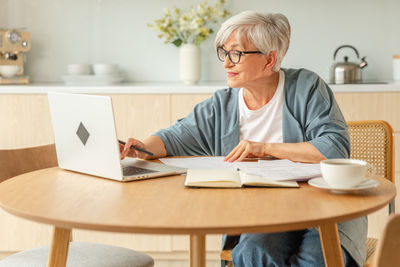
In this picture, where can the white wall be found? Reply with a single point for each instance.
(94, 31)
(3, 13)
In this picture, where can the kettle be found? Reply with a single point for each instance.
(347, 72)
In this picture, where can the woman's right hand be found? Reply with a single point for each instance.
(126, 150)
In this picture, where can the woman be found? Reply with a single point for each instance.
(285, 113)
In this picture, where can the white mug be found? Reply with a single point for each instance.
(345, 173)
(9, 70)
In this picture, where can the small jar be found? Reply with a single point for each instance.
(396, 68)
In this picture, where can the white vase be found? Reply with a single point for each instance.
(189, 63)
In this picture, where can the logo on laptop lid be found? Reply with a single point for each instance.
(82, 133)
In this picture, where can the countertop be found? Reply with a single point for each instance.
(168, 88)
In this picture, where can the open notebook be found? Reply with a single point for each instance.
(230, 178)
(215, 172)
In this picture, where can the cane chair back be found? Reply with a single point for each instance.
(373, 142)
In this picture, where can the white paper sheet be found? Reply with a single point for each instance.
(274, 170)
(205, 163)
(279, 170)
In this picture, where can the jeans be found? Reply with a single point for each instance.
(297, 248)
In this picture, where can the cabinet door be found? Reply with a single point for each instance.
(182, 105)
(140, 116)
(18, 234)
(25, 121)
(371, 106)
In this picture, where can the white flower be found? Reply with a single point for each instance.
(190, 27)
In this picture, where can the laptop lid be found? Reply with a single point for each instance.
(84, 133)
(86, 140)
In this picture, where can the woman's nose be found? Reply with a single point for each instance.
(227, 62)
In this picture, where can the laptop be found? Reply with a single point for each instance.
(86, 140)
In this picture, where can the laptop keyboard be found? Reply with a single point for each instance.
(132, 170)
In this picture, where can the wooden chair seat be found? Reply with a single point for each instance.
(371, 246)
(82, 254)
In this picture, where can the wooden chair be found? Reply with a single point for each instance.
(18, 161)
(371, 141)
(387, 252)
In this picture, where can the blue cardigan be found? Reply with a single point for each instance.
(310, 114)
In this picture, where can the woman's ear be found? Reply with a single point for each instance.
(270, 60)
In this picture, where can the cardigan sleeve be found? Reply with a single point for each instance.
(326, 127)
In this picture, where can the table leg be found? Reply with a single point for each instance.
(197, 250)
(59, 247)
(331, 245)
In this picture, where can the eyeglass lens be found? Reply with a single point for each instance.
(234, 56)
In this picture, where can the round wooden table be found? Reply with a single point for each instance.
(164, 206)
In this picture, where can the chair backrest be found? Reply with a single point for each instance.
(387, 253)
(18, 161)
(372, 141)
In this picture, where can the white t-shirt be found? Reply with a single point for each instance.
(264, 124)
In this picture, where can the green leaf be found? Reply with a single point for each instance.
(177, 42)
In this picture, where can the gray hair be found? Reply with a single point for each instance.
(267, 32)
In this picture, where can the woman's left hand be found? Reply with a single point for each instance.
(246, 149)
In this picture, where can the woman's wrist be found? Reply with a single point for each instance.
(267, 149)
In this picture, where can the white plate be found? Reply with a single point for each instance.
(320, 183)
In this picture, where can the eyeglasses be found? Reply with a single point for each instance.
(233, 55)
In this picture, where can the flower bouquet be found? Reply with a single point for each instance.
(192, 27)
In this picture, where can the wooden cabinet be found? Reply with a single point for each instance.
(25, 121)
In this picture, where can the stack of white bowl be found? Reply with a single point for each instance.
(103, 74)
(105, 69)
(78, 69)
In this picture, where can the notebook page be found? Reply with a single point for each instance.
(202, 177)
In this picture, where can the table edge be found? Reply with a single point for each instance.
(200, 230)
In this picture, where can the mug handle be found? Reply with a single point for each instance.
(373, 172)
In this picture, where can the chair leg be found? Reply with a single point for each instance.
(391, 207)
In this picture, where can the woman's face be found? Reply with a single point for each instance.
(252, 69)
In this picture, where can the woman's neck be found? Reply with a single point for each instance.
(259, 93)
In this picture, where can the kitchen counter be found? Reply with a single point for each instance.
(168, 88)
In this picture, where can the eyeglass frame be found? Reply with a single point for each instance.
(227, 53)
